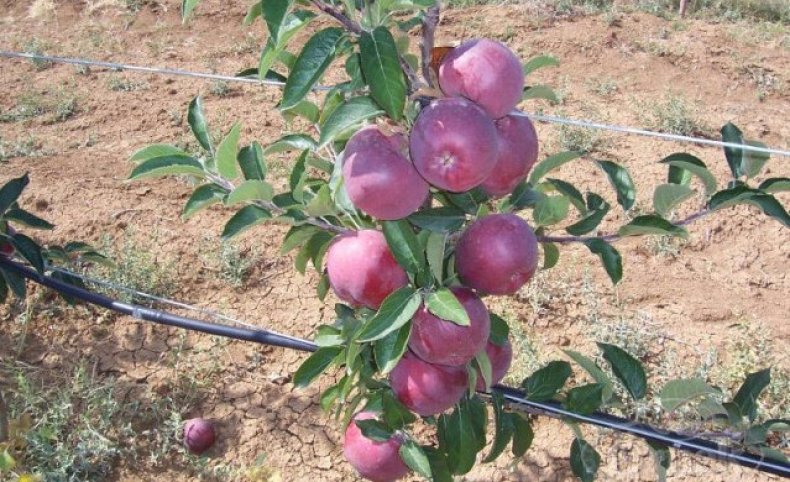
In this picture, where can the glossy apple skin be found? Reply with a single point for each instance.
(362, 270)
(375, 461)
(453, 144)
(517, 153)
(485, 72)
(425, 388)
(445, 343)
(497, 254)
(380, 180)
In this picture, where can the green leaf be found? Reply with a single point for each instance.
(597, 210)
(404, 246)
(315, 365)
(523, 435)
(744, 195)
(251, 162)
(396, 310)
(30, 250)
(253, 13)
(551, 254)
(523, 196)
(540, 62)
(297, 236)
(621, 182)
(584, 460)
(414, 457)
(274, 13)
(245, 218)
(389, 350)
(669, 196)
(3, 288)
(382, 71)
(595, 372)
(321, 204)
(25, 218)
(754, 161)
(544, 384)
(226, 153)
(443, 304)
(346, 116)
(709, 408)
(7, 462)
(776, 184)
(746, 398)
(731, 133)
(202, 197)
(157, 150)
(499, 330)
(540, 92)
(250, 191)
(395, 414)
(11, 191)
(627, 368)
(692, 164)
(16, 282)
(305, 109)
(612, 262)
(773, 454)
(374, 430)
(311, 64)
(651, 224)
(187, 6)
(585, 399)
(571, 192)
(551, 163)
(677, 393)
(662, 458)
(274, 48)
(197, 122)
(503, 428)
(551, 210)
(755, 435)
(440, 219)
(168, 166)
(484, 365)
(434, 254)
(328, 336)
(291, 142)
(457, 432)
(440, 472)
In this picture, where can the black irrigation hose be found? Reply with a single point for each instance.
(516, 397)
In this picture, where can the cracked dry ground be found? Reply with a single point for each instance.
(731, 274)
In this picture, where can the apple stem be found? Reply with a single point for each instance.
(429, 23)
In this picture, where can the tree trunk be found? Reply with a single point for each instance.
(683, 5)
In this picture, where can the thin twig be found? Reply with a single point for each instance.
(615, 236)
(429, 23)
(349, 24)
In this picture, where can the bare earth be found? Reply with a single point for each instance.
(728, 281)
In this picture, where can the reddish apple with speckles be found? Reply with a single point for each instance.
(361, 268)
(497, 254)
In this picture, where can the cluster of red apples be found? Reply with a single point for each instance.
(465, 140)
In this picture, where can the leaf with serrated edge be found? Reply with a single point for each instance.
(444, 304)
(651, 224)
(382, 71)
(622, 183)
(668, 196)
(677, 393)
(168, 166)
(312, 62)
(414, 457)
(396, 310)
(197, 122)
(245, 218)
(550, 163)
(628, 369)
(350, 113)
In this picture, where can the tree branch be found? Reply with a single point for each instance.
(429, 23)
(3, 419)
(615, 236)
(333, 12)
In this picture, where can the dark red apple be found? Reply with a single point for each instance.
(486, 72)
(376, 461)
(497, 254)
(500, 357)
(379, 179)
(445, 343)
(198, 435)
(425, 388)
(453, 144)
(362, 270)
(518, 151)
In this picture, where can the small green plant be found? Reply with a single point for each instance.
(232, 263)
(37, 47)
(122, 84)
(581, 139)
(29, 105)
(220, 88)
(24, 147)
(673, 115)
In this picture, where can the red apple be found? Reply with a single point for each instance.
(486, 72)
(497, 254)
(425, 388)
(500, 357)
(518, 151)
(453, 144)
(376, 461)
(445, 343)
(198, 435)
(362, 270)
(379, 179)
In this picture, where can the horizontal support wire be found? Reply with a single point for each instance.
(516, 398)
(274, 83)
